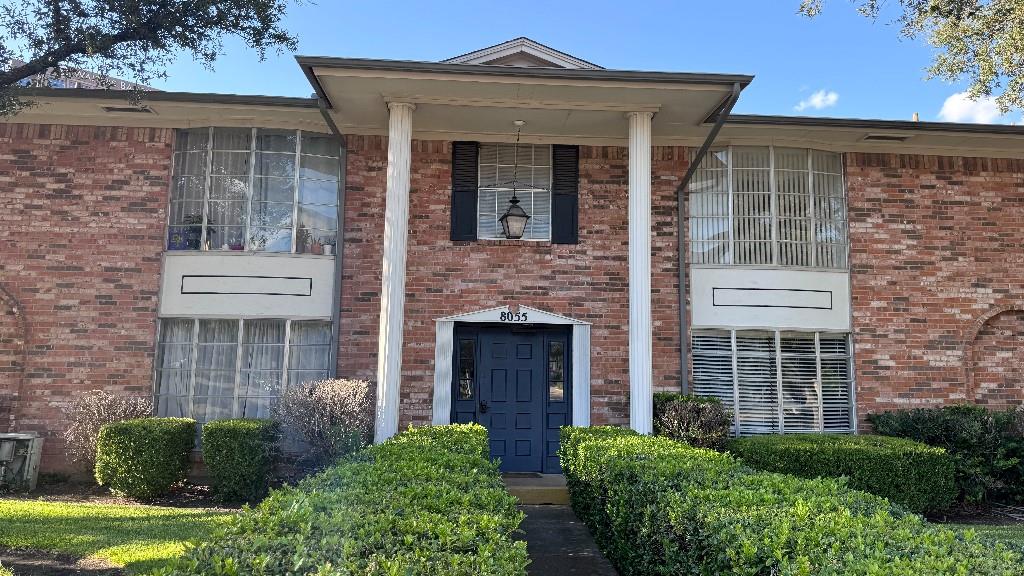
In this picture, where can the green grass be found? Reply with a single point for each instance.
(139, 538)
(1012, 535)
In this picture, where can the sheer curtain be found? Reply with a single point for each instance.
(309, 352)
(262, 364)
(174, 367)
(215, 370)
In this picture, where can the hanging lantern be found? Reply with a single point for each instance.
(513, 221)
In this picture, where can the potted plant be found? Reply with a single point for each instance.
(329, 245)
(194, 230)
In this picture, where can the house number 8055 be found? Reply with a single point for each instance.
(513, 317)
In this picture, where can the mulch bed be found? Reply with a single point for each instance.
(44, 563)
(991, 515)
(187, 495)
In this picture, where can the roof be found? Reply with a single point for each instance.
(160, 96)
(309, 65)
(869, 124)
(168, 109)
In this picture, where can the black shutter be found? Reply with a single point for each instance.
(464, 185)
(565, 188)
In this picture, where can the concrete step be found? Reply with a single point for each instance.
(537, 489)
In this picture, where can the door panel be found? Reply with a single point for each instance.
(510, 398)
(513, 382)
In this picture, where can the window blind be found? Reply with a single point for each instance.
(776, 381)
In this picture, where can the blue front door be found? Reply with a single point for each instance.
(513, 382)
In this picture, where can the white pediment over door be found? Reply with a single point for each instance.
(505, 314)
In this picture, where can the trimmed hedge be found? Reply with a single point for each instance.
(987, 446)
(240, 456)
(699, 421)
(144, 458)
(426, 502)
(908, 473)
(656, 506)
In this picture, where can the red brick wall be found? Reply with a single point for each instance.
(82, 217)
(998, 361)
(937, 246)
(445, 278)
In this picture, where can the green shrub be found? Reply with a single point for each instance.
(908, 473)
(240, 456)
(425, 502)
(662, 507)
(987, 446)
(699, 421)
(144, 458)
(5, 571)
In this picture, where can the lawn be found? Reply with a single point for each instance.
(139, 538)
(1012, 535)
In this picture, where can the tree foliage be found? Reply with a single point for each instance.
(131, 39)
(981, 41)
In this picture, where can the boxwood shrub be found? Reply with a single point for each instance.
(908, 473)
(987, 446)
(423, 503)
(656, 506)
(144, 458)
(240, 455)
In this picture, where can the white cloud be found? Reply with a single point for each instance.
(960, 108)
(818, 101)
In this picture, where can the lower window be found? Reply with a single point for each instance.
(777, 382)
(210, 369)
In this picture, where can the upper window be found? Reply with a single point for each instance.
(497, 171)
(254, 189)
(769, 206)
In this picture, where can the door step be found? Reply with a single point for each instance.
(537, 488)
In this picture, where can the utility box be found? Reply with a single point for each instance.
(19, 461)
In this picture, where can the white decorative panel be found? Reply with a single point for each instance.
(770, 298)
(246, 285)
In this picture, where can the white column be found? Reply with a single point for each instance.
(641, 401)
(392, 293)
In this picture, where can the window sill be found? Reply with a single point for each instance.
(245, 253)
(537, 243)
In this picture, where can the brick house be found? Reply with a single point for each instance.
(211, 250)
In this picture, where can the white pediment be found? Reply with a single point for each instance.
(525, 53)
(504, 315)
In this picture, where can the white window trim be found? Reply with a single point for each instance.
(775, 243)
(286, 350)
(499, 211)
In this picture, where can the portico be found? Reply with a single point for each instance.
(478, 104)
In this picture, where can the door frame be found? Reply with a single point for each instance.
(579, 348)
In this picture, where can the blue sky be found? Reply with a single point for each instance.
(839, 64)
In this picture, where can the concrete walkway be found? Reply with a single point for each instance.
(560, 545)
